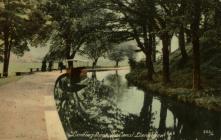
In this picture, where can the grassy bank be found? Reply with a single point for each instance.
(181, 79)
(17, 67)
(10, 79)
(20, 67)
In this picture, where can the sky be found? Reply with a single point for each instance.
(37, 54)
(34, 55)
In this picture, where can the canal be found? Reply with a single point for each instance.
(105, 106)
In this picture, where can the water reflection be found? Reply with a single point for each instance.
(104, 103)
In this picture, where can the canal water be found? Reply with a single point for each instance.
(105, 106)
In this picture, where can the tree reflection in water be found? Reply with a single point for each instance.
(115, 81)
(90, 107)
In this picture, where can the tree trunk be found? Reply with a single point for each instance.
(44, 66)
(182, 43)
(154, 50)
(70, 64)
(148, 53)
(94, 63)
(150, 50)
(94, 75)
(149, 64)
(117, 64)
(163, 117)
(196, 63)
(166, 58)
(217, 20)
(72, 56)
(69, 58)
(146, 113)
(188, 36)
(7, 50)
(6, 64)
(196, 45)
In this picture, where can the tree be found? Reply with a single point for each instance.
(68, 30)
(19, 22)
(196, 12)
(57, 49)
(74, 22)
(1, 53)
(181, 26)
(201, 17)
(96, 49)
(164, 22)
(137, 19)
(145, 19)
(210, 23)
(117, 55)
(44, 66)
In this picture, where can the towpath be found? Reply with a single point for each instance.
(28, 111)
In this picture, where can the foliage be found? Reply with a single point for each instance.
(120, 52)
(96, 49)
(117, 55)
(197, 19)
(89, 109)
(20, 21)
(75, 23)
(93, 26)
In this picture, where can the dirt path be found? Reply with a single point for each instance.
(28, 111)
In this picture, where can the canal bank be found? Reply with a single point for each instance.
(181, 78)
(206, 98)
(28, 110)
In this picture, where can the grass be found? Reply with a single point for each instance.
(181, 75)
(20, 67)
(181, 72)
(10, 79)
(209, 98)
(17, 67)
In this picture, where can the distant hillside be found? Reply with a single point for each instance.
(34, 55)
